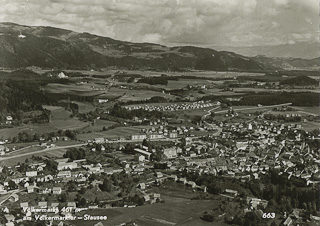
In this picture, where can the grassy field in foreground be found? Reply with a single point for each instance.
(173, 211)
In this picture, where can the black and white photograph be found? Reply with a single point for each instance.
(159, 113)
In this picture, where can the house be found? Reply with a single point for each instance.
(56, 190)
(138, 137)
(140, 158)
(159, 174)
(155, 136)
(156, 196)
(170, 152)
(146, 198)
(67, 166)
(288, 222)
(173, 177)
(24, 205)
(143, 152)
(44, 190)
(99, 140)
(14, 198)
(55, 204)
(173, 135)
(9, 217)
(182, 180)
(191, 184)
(32, 189)
(64, 174)
(31, 173)
(72, 204)
(142, 186)
(231, 192)
(43, 205)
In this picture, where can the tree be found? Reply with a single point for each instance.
(106, 186)
(82, 202)
(145, 143)
(62, 198)
(12, 185)
(207, 217)
(82, 191)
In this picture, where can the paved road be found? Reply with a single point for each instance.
(209, 112)
(17, 155)
(40, 151)
(255, 108)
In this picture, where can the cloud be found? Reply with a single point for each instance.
(187, 22)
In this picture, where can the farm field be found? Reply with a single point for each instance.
(84, 106)
(114, 133)
(133, 95)
(61, 119)
(98, 125)
(84, 90)
(244, 90)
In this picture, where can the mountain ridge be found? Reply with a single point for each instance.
(50, 47)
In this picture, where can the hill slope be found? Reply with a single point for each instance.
(48, 47)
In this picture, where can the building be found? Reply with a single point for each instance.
(142, 152)
(31, 173)
(173, 135)
(170, 152)
(140, 158)
(99, 140)
(231, 192)
(56, 190)
(67, 166)
(138, 137)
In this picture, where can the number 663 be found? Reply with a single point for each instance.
(268, 215)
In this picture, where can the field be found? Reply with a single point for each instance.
(132, 94)
(60, 121)
(175, 211)
(114, 133)
(73, 90)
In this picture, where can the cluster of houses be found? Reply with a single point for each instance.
(172, 107)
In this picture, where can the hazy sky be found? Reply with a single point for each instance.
(176, 22)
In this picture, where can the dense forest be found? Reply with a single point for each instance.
(20, 91)
(162, 80)
(296, 98)
(118, 111)
(300, 81)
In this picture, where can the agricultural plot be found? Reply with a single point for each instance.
(72, 90)
(114, 133)
(132, 94)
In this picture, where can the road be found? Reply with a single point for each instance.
(254, 108)
(17, 155)
(209, 112)
(5, 197)
(40, 151)
(224, 111)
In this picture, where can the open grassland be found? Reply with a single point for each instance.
(175, 211)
